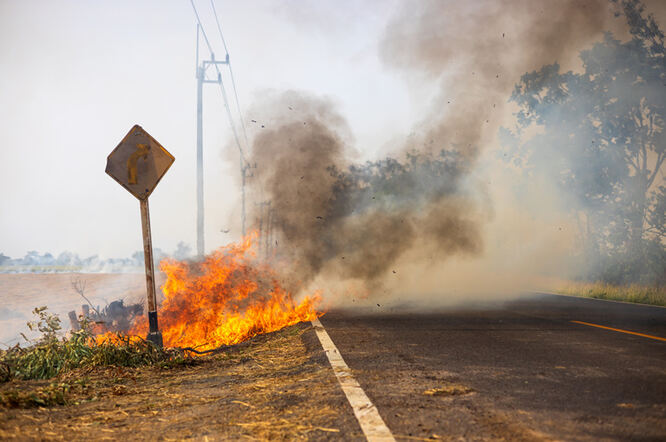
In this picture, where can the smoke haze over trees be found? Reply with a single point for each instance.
(354, 220)
(604, 144)
(68, 261)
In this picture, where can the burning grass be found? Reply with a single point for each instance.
(633, 293)
(259, 374)
(227, 298)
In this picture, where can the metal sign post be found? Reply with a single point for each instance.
(138, 163)
(154, 334)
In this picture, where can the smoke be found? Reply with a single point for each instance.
(353, 220)
(478, 50)
(441, 214)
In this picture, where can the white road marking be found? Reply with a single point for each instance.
(366, 413)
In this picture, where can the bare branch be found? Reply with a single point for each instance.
(657, 167)
(79, 286)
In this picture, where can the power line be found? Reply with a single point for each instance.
(231, 73)
(231, 123)
(201, 79)
(218, 27)
(203, 31)
(219, 76)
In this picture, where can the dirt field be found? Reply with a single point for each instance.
(278, 386)
(22, 292)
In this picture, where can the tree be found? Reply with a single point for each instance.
(31, 258)
(68, 259)
(604, 142)
(183, 251)
(138, 258)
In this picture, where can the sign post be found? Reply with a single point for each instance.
(138, 163)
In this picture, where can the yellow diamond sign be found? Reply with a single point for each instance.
(138, 163)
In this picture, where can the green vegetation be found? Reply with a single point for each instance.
(52, 355)
(601, 142)
(633, 293)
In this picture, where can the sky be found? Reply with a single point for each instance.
(76, 76)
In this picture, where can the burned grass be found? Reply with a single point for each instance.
(275, 386)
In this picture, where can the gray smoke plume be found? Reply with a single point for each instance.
(357, 220)
(477, 50)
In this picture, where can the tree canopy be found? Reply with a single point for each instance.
(603, 140)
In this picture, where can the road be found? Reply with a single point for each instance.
(519, 370)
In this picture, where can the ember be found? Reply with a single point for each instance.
(223, 300)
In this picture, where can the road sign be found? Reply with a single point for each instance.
(138, 162)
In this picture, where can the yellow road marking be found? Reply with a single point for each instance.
(620, 330)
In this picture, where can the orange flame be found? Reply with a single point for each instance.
(226, 299)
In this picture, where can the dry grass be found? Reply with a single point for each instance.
(450, 389)
(272, 387)
(634, 293)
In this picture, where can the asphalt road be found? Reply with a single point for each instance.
(520, 370)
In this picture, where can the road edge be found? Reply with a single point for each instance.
(373, 426)
(639, 304)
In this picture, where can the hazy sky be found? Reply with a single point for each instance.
(76, 75)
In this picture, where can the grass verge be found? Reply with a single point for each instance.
(52, 355)
(277, 386)
(633, 293)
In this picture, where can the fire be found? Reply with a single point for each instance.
(226, 299)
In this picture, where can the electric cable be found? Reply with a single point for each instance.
(203, 31)
(219, 75)
(231, 73)
(244, 166)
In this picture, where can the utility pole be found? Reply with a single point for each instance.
(245, 174)
(265, 215)
(201, 79)
(269, 231)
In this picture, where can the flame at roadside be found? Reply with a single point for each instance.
(225, 299)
